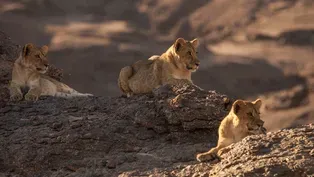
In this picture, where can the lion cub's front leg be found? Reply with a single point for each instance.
(212, 154)
(215, 152)
(15, 92)
(34, 91)
(33, 94)
(207, 156)
(224, 150)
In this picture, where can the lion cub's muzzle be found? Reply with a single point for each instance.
(258, 128)
(42, 69)
(193, 67)
(263, 130)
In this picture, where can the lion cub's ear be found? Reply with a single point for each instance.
(27, 48)
(237, 106)
(257, 104)
(44, 50)
(179, 43)
(195, 43)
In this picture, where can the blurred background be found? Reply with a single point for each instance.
(249, 48)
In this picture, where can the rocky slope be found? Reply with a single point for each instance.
(106, 136)
(8, 53)
(288, 152)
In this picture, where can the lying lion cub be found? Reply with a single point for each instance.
(28, 71)
(243, 120)
(172, 67)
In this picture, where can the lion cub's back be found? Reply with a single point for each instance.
(146, 76)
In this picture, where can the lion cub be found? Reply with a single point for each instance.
(243, 120)
(172, 67)
(28, 71)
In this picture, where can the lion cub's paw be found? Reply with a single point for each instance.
(207, 156)
(31, 97)
(16, 97)
(129, 95)
(88, 95)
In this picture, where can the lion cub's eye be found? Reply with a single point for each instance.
(38, 56)
(250, 114)
(190, 53)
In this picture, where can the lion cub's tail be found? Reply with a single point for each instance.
(73, 94)
(67, 92)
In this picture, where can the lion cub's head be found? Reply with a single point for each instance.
(186, 52)
(34, 58)
(248, 114)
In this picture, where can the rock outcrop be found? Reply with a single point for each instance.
(107, 136)
(288, 152)
(8, 53)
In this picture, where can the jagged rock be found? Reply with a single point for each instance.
(287, 152)
(8, 49)
(282, 153)
(8, 53)
(108, 136)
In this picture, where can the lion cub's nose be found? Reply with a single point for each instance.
(197, 64)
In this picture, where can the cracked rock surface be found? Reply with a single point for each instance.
(108, 136)
(288, 152)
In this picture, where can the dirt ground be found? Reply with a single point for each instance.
(249, 49)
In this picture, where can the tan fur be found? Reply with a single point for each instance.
(172, 67)
(28, 71)
(243, 120)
